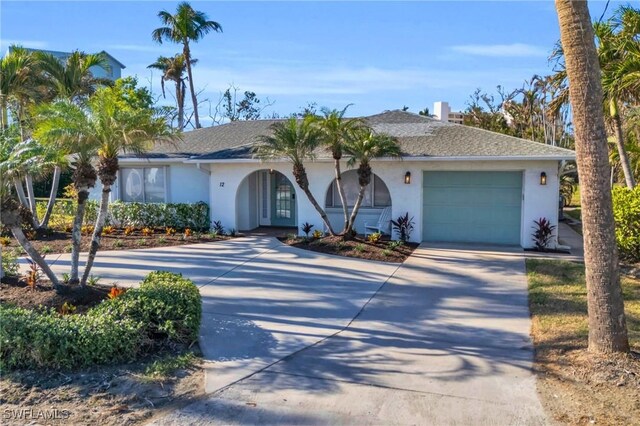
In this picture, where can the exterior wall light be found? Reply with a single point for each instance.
(407, 178)
(543, 178)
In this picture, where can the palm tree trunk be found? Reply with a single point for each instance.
(180, 88)
(20, 191)
(354, 212)
(52, 196)
(622, 152)
(76, 234)
(32, 200)
(97, 233)
(34, 255)
(343, 198)
(187, 56)
(302, 180)
(607, 324)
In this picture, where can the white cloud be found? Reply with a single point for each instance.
(501, 50)
(33, 44)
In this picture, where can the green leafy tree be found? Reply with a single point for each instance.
(184, 27)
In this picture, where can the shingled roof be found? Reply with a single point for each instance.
(419, 136)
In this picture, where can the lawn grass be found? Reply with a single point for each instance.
(575, 199)
(575, 385)
(575, 213)
(558, 302)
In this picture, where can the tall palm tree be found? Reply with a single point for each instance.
(296, 140)
(364, 147)
(336, 130)
(607, 324)
(173, 69)
(16, 157)
(186, 26)
(120, 124)
(63, 126)
(18, 72)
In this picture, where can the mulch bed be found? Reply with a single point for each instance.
(50, 242)
(382, 251)
(15, 291)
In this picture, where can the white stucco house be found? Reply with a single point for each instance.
(460, 184)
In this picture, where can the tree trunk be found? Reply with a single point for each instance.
(52, 197)
(302, 180)
(76, 235)
(622, 152)
(607, 324)
(20, 191)
(35, 256)
(97, 233)
(180, 88)
(354, 212)
(187, 56)
(343, 198)
(32, 200)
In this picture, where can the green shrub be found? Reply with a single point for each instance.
(166, 308)
(9, 264)
(174, 215)
(32, 339)
(626, 213)
(168, 304)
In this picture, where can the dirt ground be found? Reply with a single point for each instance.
(54, 242)
(357, 247)
(116, 395)
(14, 290)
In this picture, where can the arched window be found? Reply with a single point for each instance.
(375, 195)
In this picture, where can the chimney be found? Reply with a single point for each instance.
(441, 110)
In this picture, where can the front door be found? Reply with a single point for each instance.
(283, 201)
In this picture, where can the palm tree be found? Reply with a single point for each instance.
(121, 124)
(72, 78)
(17, 83)
(363, 148)
(296, 140)
(16, 158)
(187, 25)
(335, 132)
(619, 58)
(64, 127)
(173, 69)
(607, 324)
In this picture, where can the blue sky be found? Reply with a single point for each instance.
(378, 56)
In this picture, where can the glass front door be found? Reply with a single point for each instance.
(283, 201)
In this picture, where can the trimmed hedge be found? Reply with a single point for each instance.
(626, 213)
(173, 215)
(166, 308)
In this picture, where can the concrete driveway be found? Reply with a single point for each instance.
(295, 337)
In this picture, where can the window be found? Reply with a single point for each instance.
(375, 195)
(144, 185)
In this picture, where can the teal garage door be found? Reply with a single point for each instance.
(474, 207)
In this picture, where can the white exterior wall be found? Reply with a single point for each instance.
(538, 200)
(187, 184)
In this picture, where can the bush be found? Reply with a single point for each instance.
(10, 265)
(157, 215)
(626, 213)
(167, 304)
(166, 308)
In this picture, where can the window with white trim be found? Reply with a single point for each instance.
(143, 184)
(376, 193)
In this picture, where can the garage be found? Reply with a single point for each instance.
(473, 207)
